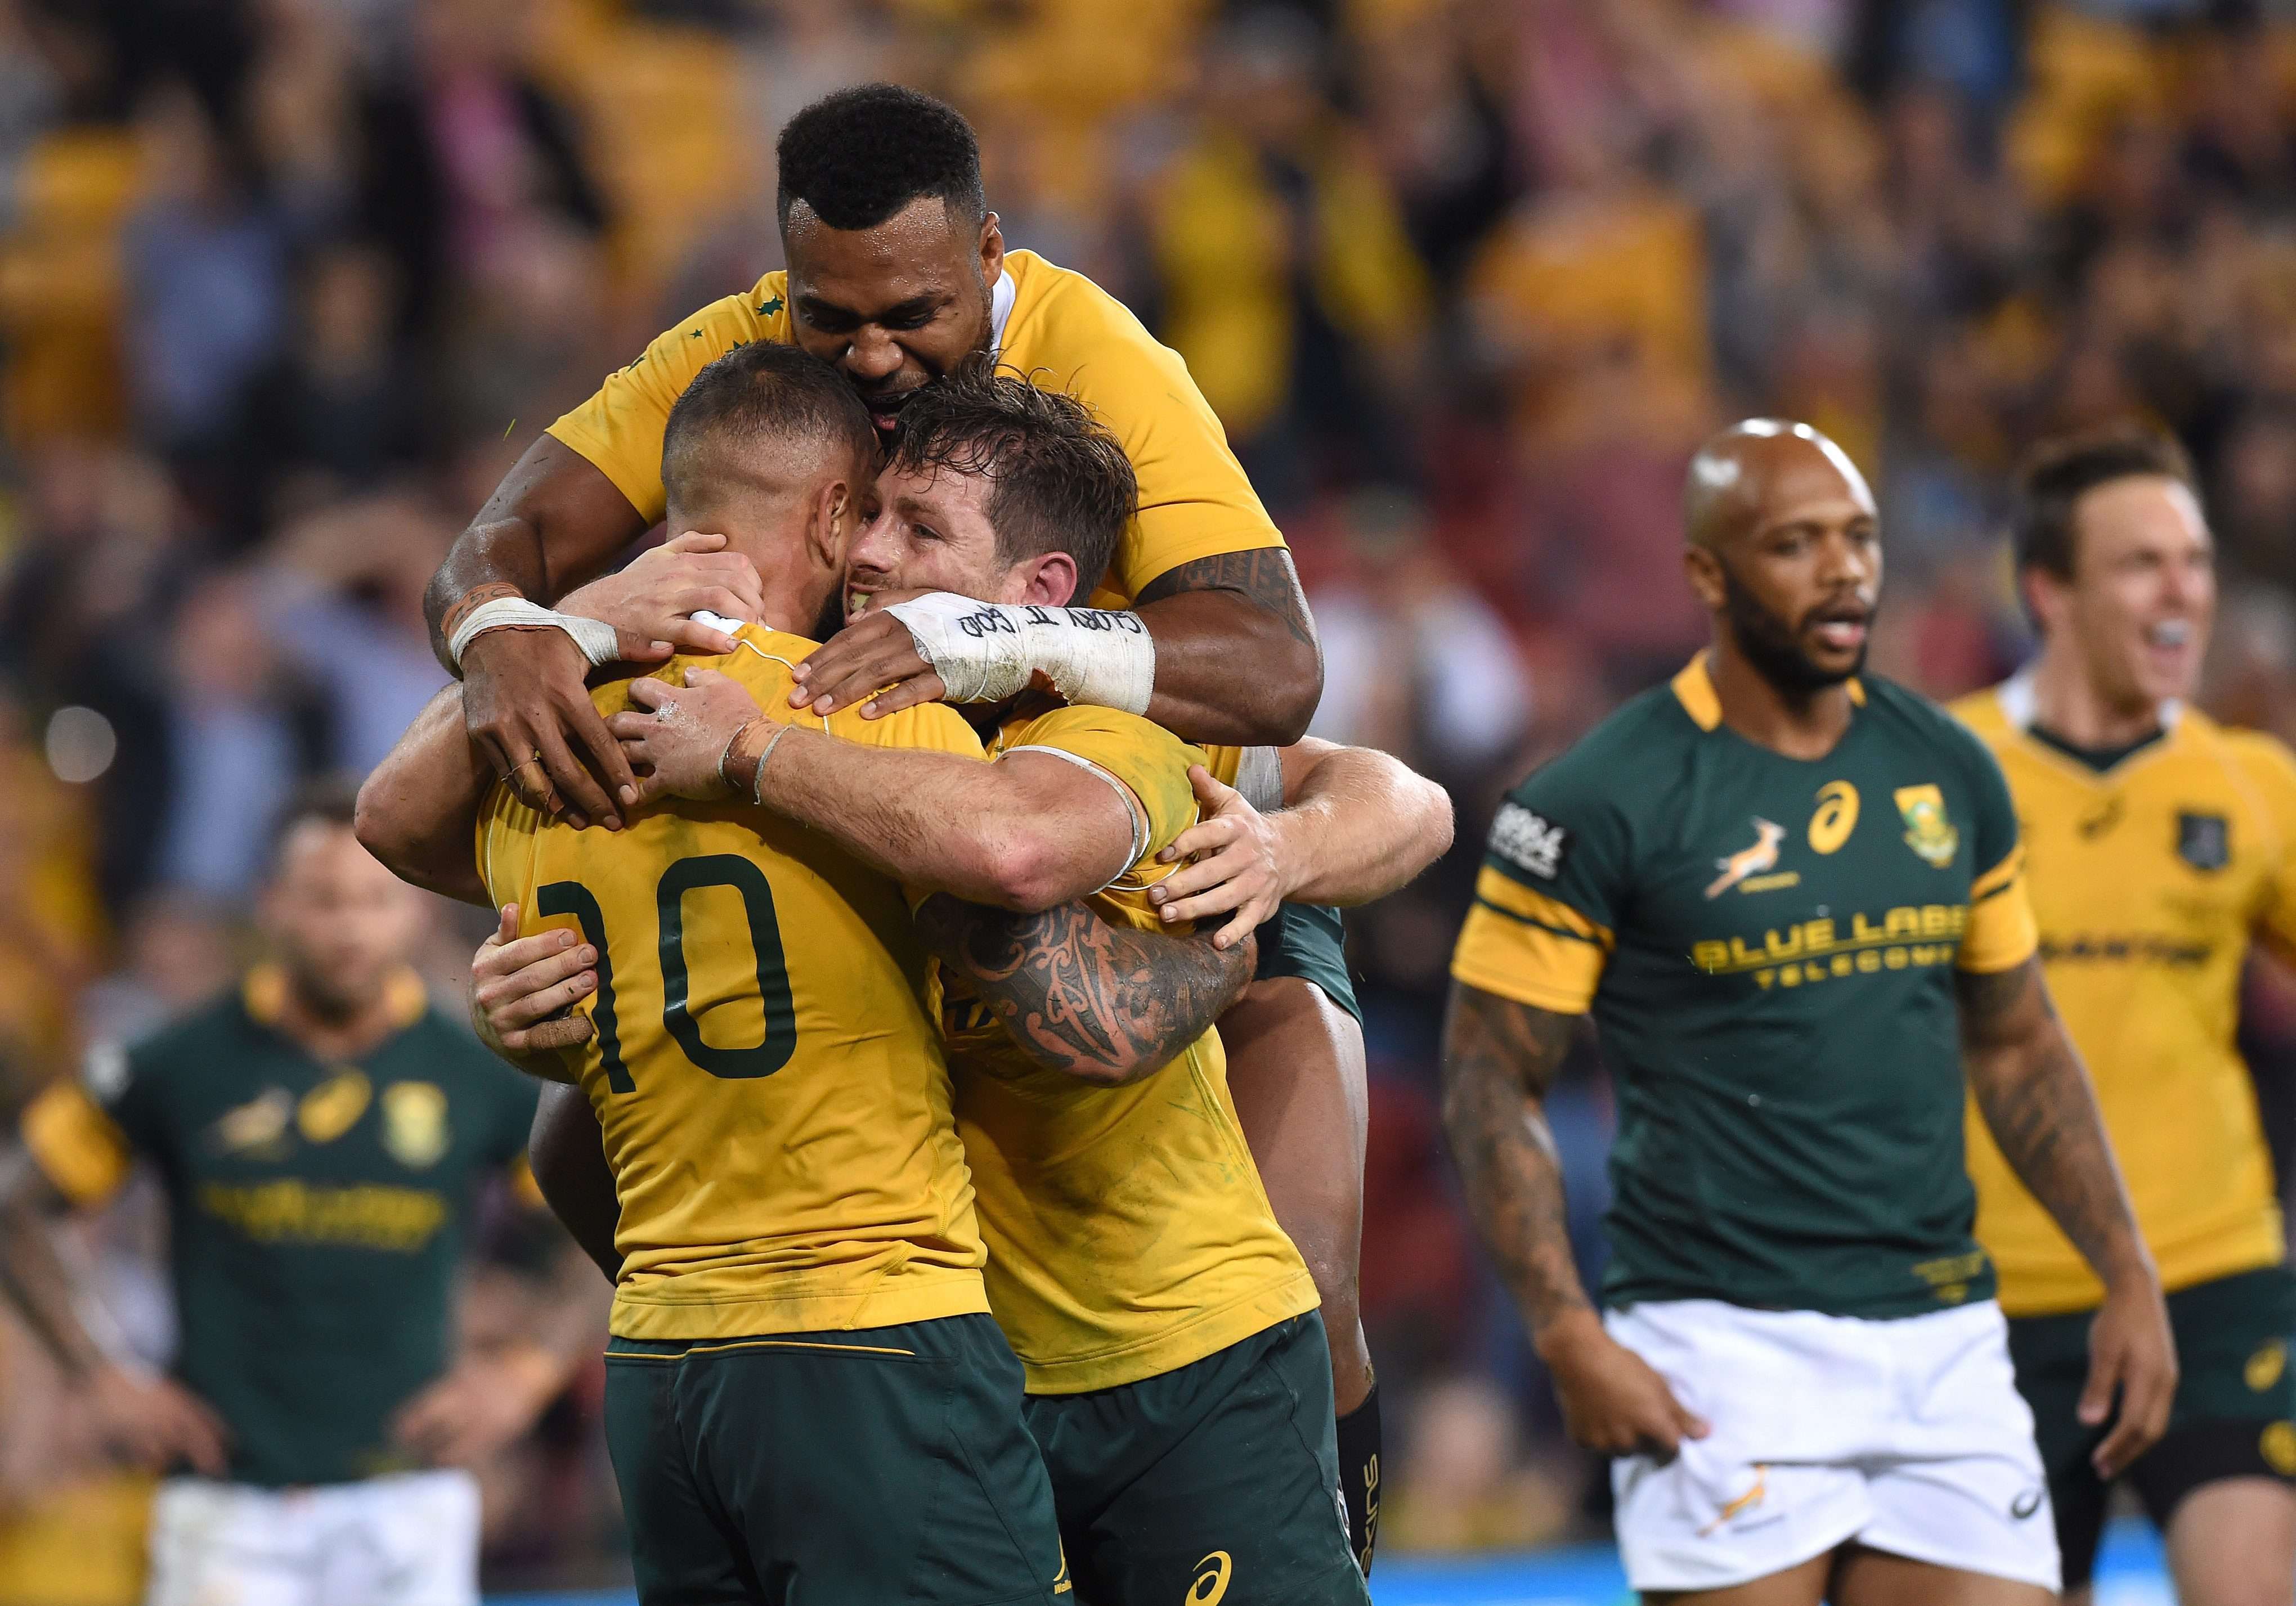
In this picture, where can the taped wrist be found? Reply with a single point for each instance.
(595, 639)
(984, 652)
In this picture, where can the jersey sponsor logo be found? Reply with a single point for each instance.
(2027, 1503)
(2277, 1444)
(2122, 947)
(1061, 1583)
(1750, 861)
(1836, 817)
(2204, 841)
(1949, 1279)
(259, 1124)
(1919, 935)
(1210, 1586)
(1521, 837)
(2264, 1367)
(292, 1211)
(415, 1123)
(334, 1107)
(1928, 832)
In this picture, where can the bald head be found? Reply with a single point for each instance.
(1757, 469)
(1785, 550)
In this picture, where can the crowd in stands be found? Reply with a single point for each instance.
(286, 286)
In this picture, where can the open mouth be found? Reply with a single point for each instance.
(2169, 635)
(885, 410)
(1844, 631)
(856, 601)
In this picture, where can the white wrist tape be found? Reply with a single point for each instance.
(984, 652)
(595, 639)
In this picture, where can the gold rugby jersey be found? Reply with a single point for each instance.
(771, 1086)
(1129, 1233)
(2148, 881)
(1051, 325)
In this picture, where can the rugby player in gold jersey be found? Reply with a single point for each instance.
(897, 271)
(2159, 846)
(806, 1396)
(1141, 1300)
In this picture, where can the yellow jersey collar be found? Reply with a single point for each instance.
(1693, 688)
(2016, 699)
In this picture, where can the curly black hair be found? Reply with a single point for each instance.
(860, 155)
(1059, 481)
(759, 390)
(2054, 478)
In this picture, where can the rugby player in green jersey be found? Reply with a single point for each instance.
(1791, 898)
(319, 1132)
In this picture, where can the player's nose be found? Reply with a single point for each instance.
(872, 356)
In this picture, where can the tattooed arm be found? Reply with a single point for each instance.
(2036, 1098)
(1100, 1002)
(1499, 1060)
(1236, 658)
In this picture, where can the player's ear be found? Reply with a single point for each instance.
(1052, 580)
(1703, 569)
(2046, 596)
(829, 524)
(992, 250)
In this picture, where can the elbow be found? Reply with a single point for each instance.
(1024, 870)
(1294, 689)
(1438, 823)
(382, 828)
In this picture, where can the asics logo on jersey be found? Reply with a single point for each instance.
(1749, 862)
(2025, 1504)
(1210, 1586)
(1736, 1509)
(1537, 844)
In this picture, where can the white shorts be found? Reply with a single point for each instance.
(410, 1539)
(1908, 1436)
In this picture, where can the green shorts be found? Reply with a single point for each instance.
(2234, 1414)
(885, 1464)
(1310, 943)
(1219, 1478)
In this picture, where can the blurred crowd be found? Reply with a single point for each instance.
(286, 285)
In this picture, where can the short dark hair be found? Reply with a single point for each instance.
(2057, 473)
(760, 391)
(1059, 481)
(328, 800)
(860, 155)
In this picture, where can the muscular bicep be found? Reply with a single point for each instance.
(1496, 1042)
(1085, 825)
(1237, 662)
(554, 523)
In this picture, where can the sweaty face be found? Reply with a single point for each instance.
(1801, 582)
(340, 921)
(894, 307)
(927, 531)
(2144, 590)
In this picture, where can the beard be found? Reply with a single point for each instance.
(1772, 645)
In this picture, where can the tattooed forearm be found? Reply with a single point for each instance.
(1237, 659)
(2038, 1101)
(1499, 1059)
(1101, 1002)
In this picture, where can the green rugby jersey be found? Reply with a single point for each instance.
(1767, 946)
(315, 1211)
